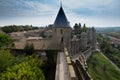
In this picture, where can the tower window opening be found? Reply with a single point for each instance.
(61, 31)
(62, 40)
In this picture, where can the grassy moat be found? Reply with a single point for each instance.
(101, 69)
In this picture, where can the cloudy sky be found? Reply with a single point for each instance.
(43, 12)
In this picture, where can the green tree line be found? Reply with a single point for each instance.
(5, 41)
(78, 28)
(15, 28)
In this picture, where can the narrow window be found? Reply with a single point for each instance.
(62, 40)
(61, 31)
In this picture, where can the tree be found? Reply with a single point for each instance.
(27, 27)
(108, 48)
(5, 41)
(80, 25)
(77, 28)
(84, 29)
(42, 34)
(15, 28)
(20, 67)
(6, 59)
(23, 71)
(29, 49)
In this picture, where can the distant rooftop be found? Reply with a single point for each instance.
(61, 19)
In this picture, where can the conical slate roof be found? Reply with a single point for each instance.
(61, 20)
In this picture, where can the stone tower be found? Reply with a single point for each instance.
(83, 40)
(91, 34)
(62, 30)
(94, 38)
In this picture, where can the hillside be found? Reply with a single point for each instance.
(101, 69)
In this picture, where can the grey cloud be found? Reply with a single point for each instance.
(13, 8)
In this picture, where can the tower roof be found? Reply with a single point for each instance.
(61, 19)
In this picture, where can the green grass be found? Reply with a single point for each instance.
(115, 58)
(97, 72)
